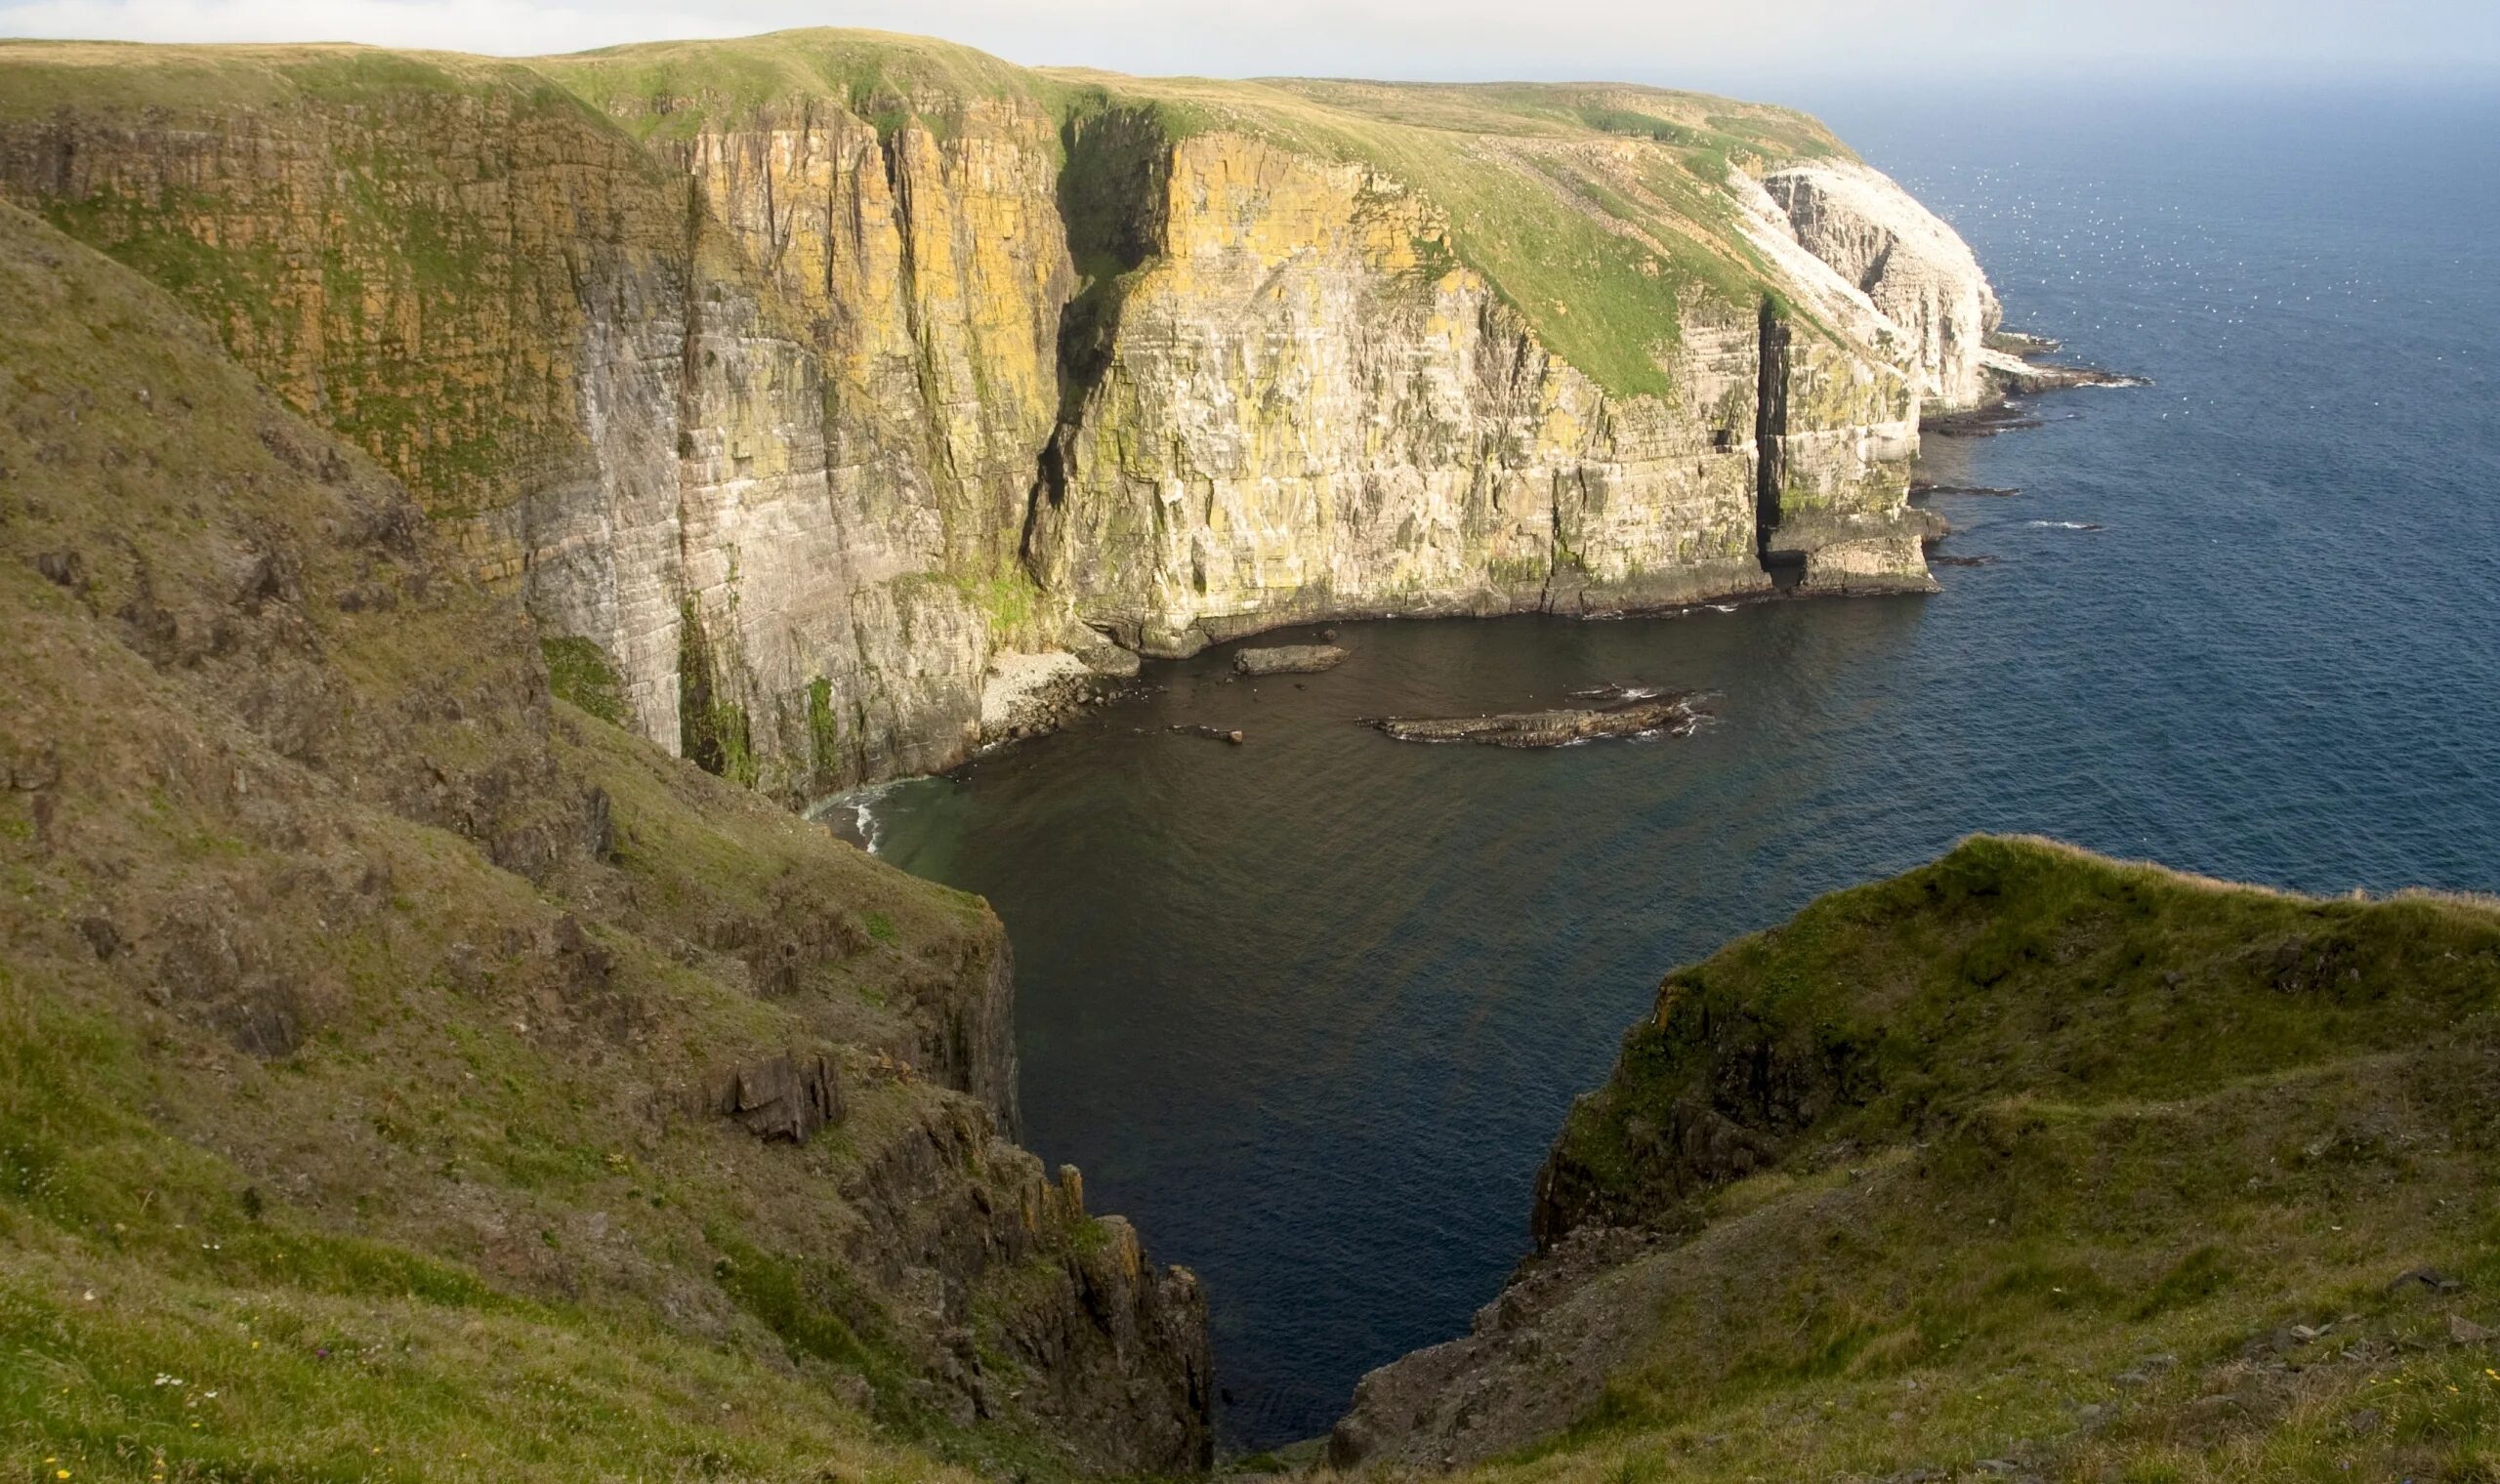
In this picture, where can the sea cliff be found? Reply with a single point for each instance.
(807, 386)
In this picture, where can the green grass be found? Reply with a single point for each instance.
(2019, 1120)
(879, 76)
(578, 671)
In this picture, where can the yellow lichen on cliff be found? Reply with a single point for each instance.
(930, 273)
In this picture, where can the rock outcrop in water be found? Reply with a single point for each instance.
(794, 381)
(1288, 659)
(1628, 717)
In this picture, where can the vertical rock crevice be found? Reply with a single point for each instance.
(1771, 424)
(1113, 198)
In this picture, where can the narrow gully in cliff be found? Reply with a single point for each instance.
(1110, 198)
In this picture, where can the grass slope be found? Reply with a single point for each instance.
(353, 994)
(2032, 1164)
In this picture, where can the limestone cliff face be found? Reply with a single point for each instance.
(1307, 407)
(929, 274)
(810, 402)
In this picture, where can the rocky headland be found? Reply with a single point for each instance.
(827, 398)
(2025, 1164)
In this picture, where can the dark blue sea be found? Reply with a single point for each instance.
(1310, 1009)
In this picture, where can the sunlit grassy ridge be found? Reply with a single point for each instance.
(104, 77)
(2033, 1163)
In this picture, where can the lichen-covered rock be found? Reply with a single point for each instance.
(788, 1097)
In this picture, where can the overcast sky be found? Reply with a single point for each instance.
(1722, 43)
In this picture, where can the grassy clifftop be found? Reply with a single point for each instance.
(1593, 209)
(102, 76)
(2029, 1163)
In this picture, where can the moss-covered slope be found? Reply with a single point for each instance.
(2024, 1164)
(405, 1075)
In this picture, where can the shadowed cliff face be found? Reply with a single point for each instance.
(803, 392)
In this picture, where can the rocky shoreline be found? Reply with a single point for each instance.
(2017, 368)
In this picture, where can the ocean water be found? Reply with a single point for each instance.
(1310, 1009)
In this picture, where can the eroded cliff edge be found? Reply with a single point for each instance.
(795, 381)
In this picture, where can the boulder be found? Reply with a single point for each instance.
(788, 1097)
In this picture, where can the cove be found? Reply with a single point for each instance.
(1311, 1009)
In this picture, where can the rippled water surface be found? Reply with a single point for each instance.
(1311, 1009)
